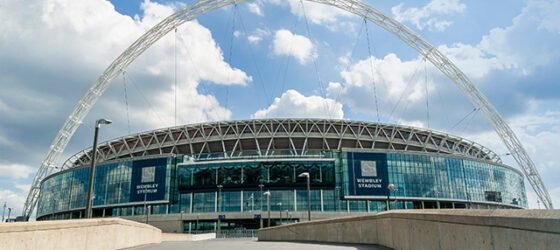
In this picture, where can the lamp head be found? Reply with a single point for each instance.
(267, 193)
(304, 174)
(391, 187)
(102, 121)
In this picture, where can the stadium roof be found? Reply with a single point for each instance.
(270, 137)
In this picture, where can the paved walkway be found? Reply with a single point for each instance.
(250, 244)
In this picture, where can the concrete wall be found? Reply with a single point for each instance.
(432, 229)
(88, 234)
(173, 223)
(167, 223)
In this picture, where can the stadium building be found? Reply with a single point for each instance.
(190, 177)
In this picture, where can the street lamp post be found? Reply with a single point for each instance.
(390, 188)
(260, 204)
(306, 174)
(92, 168)
(9, 213)
(261, 200)
(337, 198)
(267, 193)
(219, 227)
(197, 227)
(145, 205)
(280, 210)
(252, 198)
(437, 199)
(3, 211)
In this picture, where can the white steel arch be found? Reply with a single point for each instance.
(353, 6)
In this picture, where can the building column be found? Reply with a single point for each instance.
(322, 209)
(242, 201)
(191, 203)
(295, 200)
(216, 202)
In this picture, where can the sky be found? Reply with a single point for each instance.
(273, 58)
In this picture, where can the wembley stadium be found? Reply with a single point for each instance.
(238, 173)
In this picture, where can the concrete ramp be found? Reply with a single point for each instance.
(432, 229)
(90, 234)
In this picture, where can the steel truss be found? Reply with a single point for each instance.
(353, 6)
(295, 137)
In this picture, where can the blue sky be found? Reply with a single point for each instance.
(260, 59)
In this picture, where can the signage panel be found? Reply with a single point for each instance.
(367, 174)
(148, 180)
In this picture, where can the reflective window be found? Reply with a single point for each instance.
(315, 200)
(281, 200)
(251, 174)
(204, 202)
(230, 202)
(453, 178)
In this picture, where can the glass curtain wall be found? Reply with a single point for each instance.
(68, 190)
(440, 177)
(194, 185)
(250, 174)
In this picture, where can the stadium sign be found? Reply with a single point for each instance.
(148, 180)
(368, 175)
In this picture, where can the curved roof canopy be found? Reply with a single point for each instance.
(270, 137)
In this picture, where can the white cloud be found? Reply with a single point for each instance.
(23, 187)
(254, 39)
(258, 35)
(194, 44)
(392, 77)
(430, 15)
(532, 39)
(298, 46)
(255, 8)
(292, 104)
(317, 13)
(471, 60)
(413, 123)
(528, 43)
(88, 41)
(548, 12)
(192, 107)
(16, 171)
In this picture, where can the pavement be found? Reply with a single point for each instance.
(250, 244)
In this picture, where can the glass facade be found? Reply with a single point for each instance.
(191, 185)
(67, 191)
(240, 174)
(437, 177)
